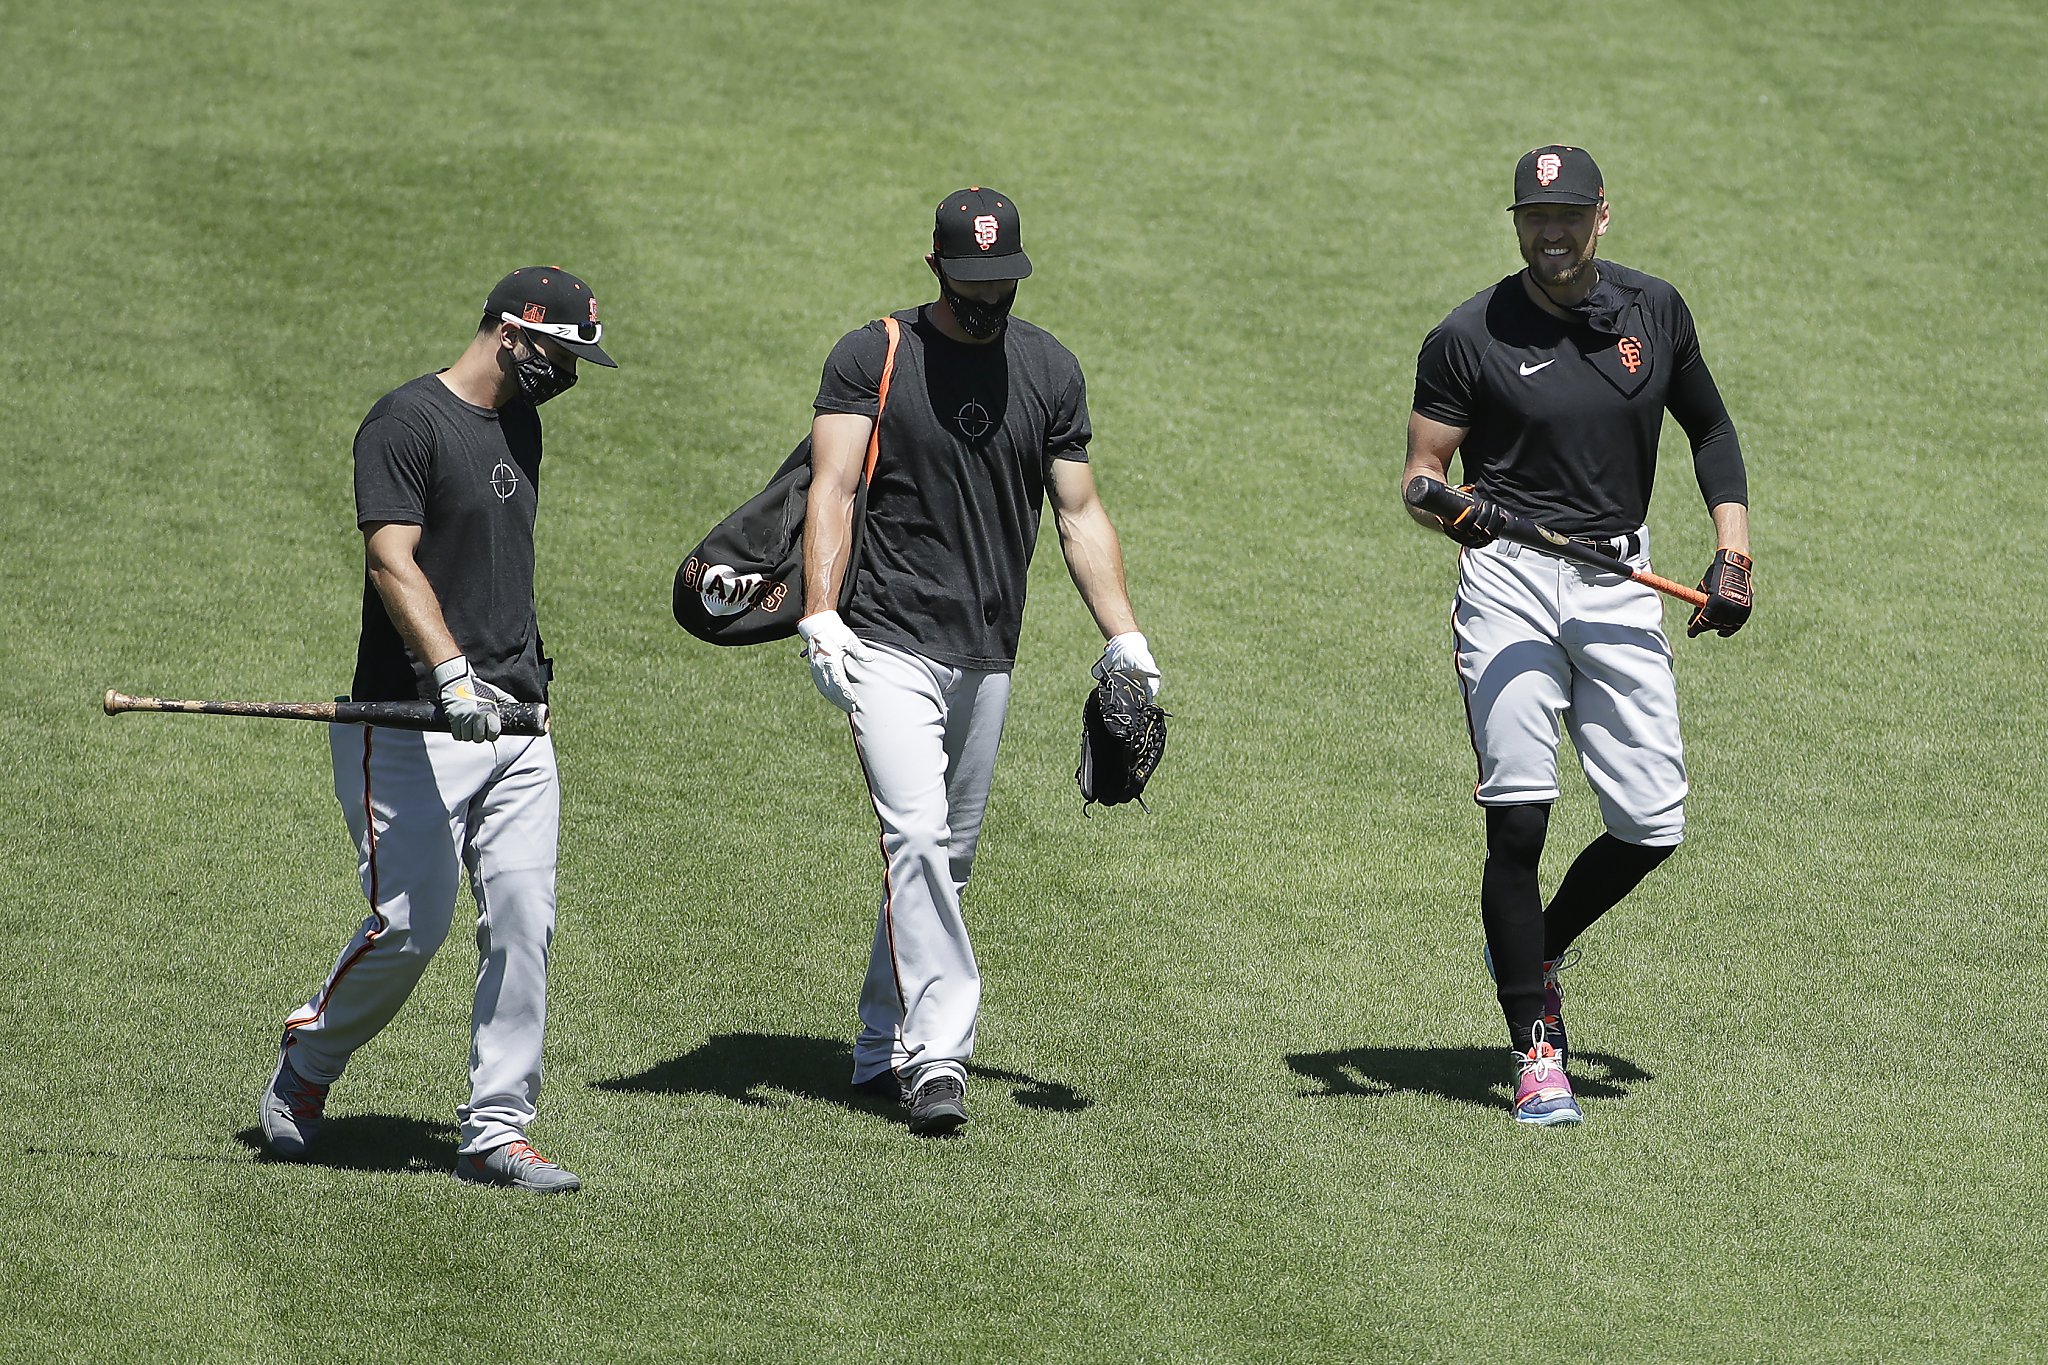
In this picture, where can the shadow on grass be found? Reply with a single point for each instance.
(1465, 1075)
(745, 1067)
(372, 1142)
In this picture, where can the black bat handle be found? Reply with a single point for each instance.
(1436, 498)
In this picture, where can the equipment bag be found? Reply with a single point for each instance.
(744, 583)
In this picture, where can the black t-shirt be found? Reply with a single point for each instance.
(967, 444)
(1564, 417)
(468, 478)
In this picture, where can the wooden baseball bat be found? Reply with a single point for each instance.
(1441, 500)
(520, 717)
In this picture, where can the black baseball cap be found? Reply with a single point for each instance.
(976, 236)
(551, 301)
(1557, 175)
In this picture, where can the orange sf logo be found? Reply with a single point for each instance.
(593, 308)
(1631, 354)
(985, 231)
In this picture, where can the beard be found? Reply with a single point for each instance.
(1561, 272)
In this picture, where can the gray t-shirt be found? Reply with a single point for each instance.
(468, 477)
(967, 444)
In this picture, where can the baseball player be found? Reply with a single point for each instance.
(1553, 385)
(446, 479)
(989, 421)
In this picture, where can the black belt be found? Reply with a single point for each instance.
(1619, 547)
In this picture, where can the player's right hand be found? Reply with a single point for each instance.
(833, 649)
(1478, 524)
(470, 703)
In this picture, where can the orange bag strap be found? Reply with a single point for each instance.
(895, 330)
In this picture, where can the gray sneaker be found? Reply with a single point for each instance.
(518, 1165)
(290, 1111)
(938, 1105)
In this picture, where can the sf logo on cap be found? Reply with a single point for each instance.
(1547, 167)
(985, 231)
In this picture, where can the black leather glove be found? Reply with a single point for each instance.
(1728, 595)
(1477, 525)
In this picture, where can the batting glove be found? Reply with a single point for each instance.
(1129, 655)
(1478, 524)
(471, 703)
(1728, 595)
(833, 648)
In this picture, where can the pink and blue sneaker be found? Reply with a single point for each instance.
(1543, 1093)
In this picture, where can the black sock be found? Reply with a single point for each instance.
(1512, 909)
(1600, 876)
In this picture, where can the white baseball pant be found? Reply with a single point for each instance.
(926, 734)
(1540, 638)
(420, 808)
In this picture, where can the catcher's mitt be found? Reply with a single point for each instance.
(1123, 737)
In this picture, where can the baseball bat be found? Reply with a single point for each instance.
(1441, 500)
(520, 717)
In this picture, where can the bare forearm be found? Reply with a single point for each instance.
(1431, 445)
(838, 443)
(409, 600)
(828, 532)
(1731, 526)
(1095, 559)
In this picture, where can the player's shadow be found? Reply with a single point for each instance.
(373, 1142)
(1465, 1075)
(758, 1068)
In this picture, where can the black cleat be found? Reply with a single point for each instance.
(938, 1106)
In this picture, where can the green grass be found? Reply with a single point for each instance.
(1248, 1103)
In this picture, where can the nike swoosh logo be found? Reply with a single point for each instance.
(1531, 369)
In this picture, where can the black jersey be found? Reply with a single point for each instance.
(1563, 416)
(468, 477)
(967, 444)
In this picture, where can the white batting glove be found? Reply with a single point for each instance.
(471, 703)
(833, 649)
(1130, 655)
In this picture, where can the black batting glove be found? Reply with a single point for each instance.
(1478, 524)
(1728, 595)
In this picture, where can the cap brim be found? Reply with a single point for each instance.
(1561, 197)
(977, 269)
(586, 350)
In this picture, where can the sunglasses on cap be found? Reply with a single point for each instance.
(589, 333)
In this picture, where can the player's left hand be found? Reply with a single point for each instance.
(471, 704)
(1131, 656)
(1480, 524)
(1728, 595)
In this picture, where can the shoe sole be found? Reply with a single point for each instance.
(284, 1149)
(531, 1187)
(1553, 1120)
(940, 1123)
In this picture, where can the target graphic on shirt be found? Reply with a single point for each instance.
(974, 421)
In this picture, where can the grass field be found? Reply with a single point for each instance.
(1240, 1085)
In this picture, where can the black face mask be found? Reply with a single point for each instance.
(540, 378)
(979, 320)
